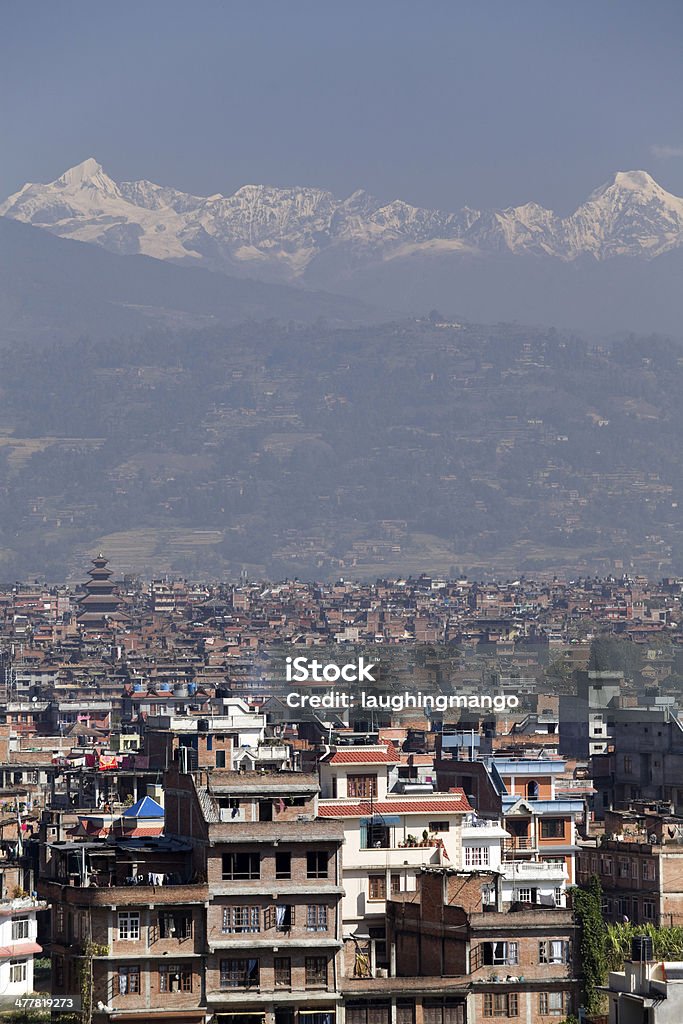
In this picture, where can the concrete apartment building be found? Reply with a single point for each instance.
(646, 764)
(389, 836)
(18, 944)
(540, 852)
(646, 992)
(585, 714)
(211, 736)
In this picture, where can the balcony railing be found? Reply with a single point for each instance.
(519, 843)
(396, 857)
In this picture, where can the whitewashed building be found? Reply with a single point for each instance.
(18, 944)
(388, 836)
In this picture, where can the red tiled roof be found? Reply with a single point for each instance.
(141, 832)
(423, 806)
(364, 757)
(20, 949)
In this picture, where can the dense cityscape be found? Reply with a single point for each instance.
(341, 477)
(181, 839)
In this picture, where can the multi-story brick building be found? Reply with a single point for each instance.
(639, 861)
(232, 915)
(273, 926)
(499, 963)
(127, 928)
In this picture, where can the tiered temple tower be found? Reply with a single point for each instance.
(99, 605)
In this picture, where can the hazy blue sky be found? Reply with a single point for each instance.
(439, 102)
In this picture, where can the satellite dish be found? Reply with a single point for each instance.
(652, 838)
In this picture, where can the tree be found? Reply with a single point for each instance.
(587, 903)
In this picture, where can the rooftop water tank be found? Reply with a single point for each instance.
(641, 948)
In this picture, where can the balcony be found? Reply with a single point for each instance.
(261, 995)
(483, 828)
(529, 869)
(520, 844)
(56, 891)
(395, 857)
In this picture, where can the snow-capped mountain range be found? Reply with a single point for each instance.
(280, 232)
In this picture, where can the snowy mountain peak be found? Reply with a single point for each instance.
(636, 181)
(637, 184)
(280, 233)
(85, 171)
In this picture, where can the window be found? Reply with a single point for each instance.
(239, 973)
(501, 953)
(283, 865)
(439, 826)
(648, 910)
(129, 979)
(59, 920)
(283, 971)
(524, 895)
(623, 867)
(648, 871)
(58, 963)
(553, 951)
(606, 865)
(628, 765)
(623, 906)
(634, 869)
(316, 970)
(316, 917)
(501, 1004)
(553, 1003)
(373, 1014)
(241, 919)
(175, 978)
(129, 925)
(375, 836)
(377, 887)
(443, 1011)
(405, 1011)
(552, 828)
(477, 856)
(17, 971)
(362, 786)
(241, 866)
(559, 896)
(281, 917)
(174, 926)
(316, 864)
(19, 928)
